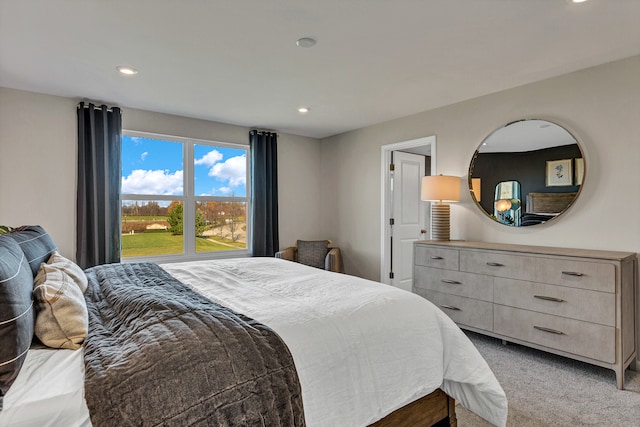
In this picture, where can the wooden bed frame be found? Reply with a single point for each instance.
(435, 409)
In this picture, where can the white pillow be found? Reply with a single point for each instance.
(62, 320)
(72, 269)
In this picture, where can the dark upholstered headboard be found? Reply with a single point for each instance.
(549, 202)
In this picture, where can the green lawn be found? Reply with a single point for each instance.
(164, 243)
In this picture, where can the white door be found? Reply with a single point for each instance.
(408, 213)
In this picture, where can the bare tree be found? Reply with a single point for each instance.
(236, 219)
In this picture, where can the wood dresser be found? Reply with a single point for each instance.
(572, 302)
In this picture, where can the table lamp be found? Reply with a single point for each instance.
(440, 188)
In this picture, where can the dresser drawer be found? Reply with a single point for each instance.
(576, 274)
(463, 311)
(454, 282)
(572, 336)
(579, 304)
(497, 264)
(437, 257)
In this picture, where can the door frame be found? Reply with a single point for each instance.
(385, 196)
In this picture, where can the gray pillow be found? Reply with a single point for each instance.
(16, 311)
(312, 252)
(36, 244)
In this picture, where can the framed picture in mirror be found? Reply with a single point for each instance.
(579, 170)
(559, 173)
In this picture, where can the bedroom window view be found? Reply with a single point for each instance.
(151, 228)
(182, 197)
(223, 225)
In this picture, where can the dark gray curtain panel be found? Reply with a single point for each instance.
(98, 196)
(264, 192)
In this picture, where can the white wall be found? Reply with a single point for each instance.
(38, 155)
(600, 106)
(38, 151)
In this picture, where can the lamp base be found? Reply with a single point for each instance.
(440, 221)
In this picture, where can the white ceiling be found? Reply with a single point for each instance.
(236, 61)
(526, 135)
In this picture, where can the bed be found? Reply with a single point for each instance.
(542, 207)
(340, 350)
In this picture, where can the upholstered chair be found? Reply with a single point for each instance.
(316, 253)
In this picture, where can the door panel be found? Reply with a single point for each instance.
(409, 187)
(407, 210)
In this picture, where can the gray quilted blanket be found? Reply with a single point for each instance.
(158, 353)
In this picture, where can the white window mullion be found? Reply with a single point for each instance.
(189, 200)
(249, 209)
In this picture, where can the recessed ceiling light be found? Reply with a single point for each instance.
(578, 1)
(126, 70)
(303, 110)
(306, 42)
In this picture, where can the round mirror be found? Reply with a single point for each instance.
(527, 172)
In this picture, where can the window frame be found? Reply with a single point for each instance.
(189, 199)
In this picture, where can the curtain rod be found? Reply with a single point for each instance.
(97, 107)
(263, 131)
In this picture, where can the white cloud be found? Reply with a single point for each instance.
(209, 159)
(225, 190)
(144, 155)
(233, 169)
(152, 182)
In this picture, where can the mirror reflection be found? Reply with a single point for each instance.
(507, 204)
(531, 171)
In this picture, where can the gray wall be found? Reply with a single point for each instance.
(600, 106)
(331, 189)
(38, 150)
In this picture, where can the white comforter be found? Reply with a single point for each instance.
(362, 349)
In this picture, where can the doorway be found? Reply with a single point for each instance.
(405, 217)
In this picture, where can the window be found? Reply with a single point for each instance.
(183, 198)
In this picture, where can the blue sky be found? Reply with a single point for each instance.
(151, 166)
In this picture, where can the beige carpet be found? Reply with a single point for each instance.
(547, 390)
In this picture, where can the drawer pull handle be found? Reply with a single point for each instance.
(449, 307)
(551, 331)
(495, 264)
(436, 257)
(546, 298)
(573, 273)
(451, 282)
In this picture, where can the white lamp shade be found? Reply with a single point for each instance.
(440, 188)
